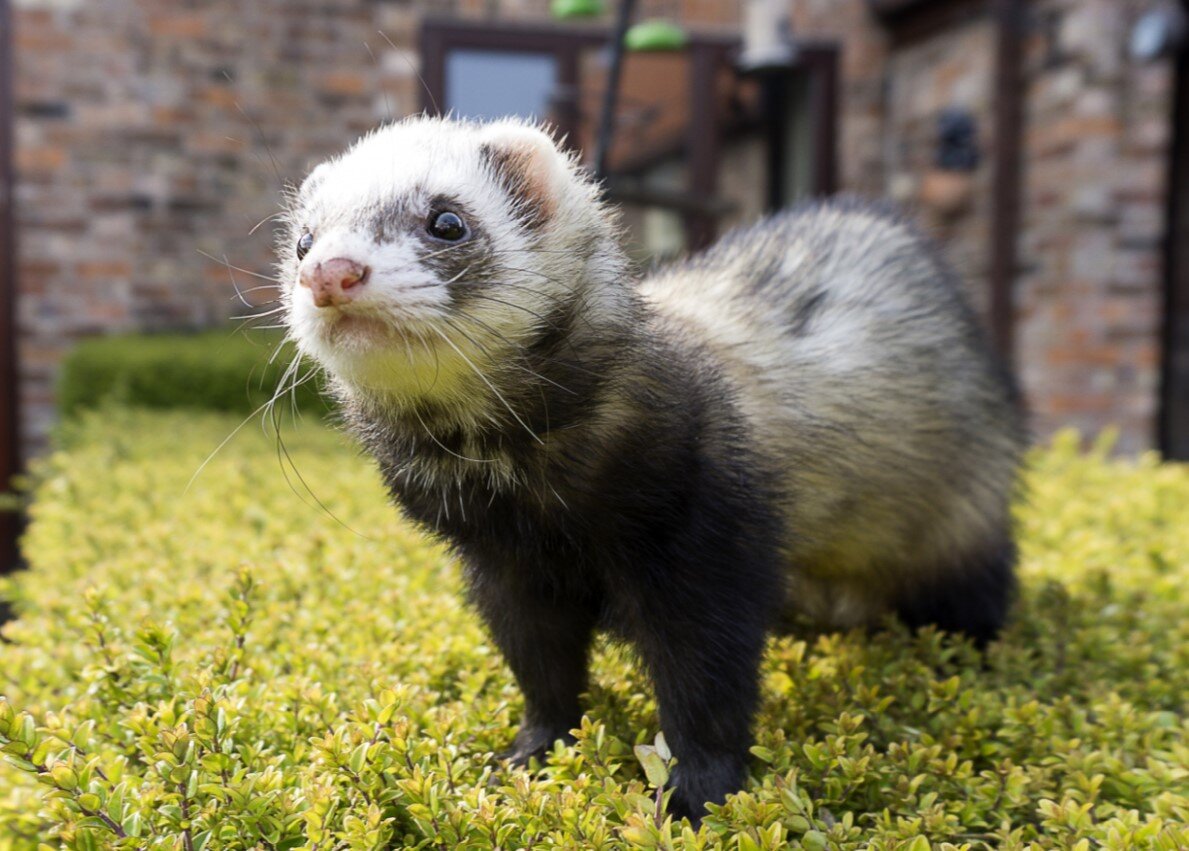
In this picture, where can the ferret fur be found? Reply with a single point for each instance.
(805, 419)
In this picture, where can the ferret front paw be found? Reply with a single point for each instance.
(710, 783)
(535, 741)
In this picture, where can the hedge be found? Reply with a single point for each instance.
(229, 666)
(218, 370)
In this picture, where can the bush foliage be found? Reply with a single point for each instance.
(222, 370)
(230, 667)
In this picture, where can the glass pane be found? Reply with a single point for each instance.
(486, 84)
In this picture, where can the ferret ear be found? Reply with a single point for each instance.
(529, 166)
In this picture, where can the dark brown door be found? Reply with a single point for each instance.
(1174, 419)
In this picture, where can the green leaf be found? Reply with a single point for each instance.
(814, 840)
(654, 766)
(358, 758)
(662, 747)
(89, 802)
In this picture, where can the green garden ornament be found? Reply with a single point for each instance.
(654, 35)
(565, 10)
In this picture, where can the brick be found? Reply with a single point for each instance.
(177, 24)
(344, 83)
(40, 159)
(104, 269)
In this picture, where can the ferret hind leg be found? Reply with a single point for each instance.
(971, 596)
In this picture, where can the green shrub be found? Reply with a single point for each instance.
(222, 370)
(230, 667)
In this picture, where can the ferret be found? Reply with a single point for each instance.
(805, 419)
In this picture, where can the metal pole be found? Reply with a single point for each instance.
(1009, 132)
(611, 94)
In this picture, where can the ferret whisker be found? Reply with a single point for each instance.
(437, 361)
(491, 386)
(256, 289)
(486, 297)
(272, 311)
(305, 379)
(263, 407)
(502, 338)
(265, 221)
(223, 443)
(279, 390)
(288, 383)
(263, 315)
(486, 255)
(470, 339)
(459, 275)
(376, 62)
(283, 449)
(278, 349)
(409, 355)
(224, 262)
(247, 323)
(413, 68)
(250, 320)
(547, 380)
(564, 504)
(443, 446)
(577, 309)
(263, 139)
(235, 284)
(563, 284)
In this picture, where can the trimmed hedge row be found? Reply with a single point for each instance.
(220, 370)
(229, 667)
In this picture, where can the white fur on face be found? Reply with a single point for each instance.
(401, 337)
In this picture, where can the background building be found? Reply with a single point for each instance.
(147, 136)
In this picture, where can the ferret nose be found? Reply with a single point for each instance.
(334, 281)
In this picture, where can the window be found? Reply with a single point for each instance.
(486, 84)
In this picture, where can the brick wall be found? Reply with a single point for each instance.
(1089, 296)
(150, 130)
(1089, 291)
(147, 132)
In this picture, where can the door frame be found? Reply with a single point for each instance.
(10, 437)
(1174, 368)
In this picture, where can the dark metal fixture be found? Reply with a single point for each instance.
(957, 140)
(623, 18)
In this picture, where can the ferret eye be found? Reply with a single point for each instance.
(304, 244)
(447, 225)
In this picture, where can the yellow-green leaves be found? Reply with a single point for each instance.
(655, 759)
(229, 667)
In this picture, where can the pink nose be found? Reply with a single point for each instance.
(334, 281)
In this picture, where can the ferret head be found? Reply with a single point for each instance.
(424, 256)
